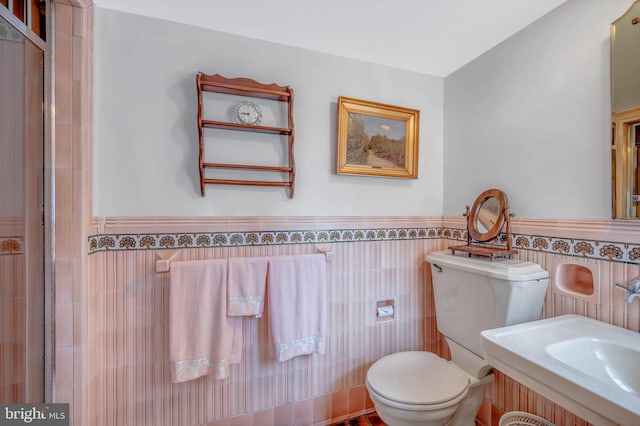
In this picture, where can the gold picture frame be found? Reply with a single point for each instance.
(376, 139)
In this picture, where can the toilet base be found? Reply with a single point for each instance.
(397, 417)
(469, 407)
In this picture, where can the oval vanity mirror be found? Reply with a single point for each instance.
(625, 114)
(487, 215)
(485, 221)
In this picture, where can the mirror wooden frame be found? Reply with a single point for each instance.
(475, 236)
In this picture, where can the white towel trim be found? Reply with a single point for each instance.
(242, 306)
(182, 371)
(302, 346)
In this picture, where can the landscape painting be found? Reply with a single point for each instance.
(377, 139)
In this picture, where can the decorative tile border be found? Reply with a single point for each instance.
(11, 246)
(112, 242)
(592, 249)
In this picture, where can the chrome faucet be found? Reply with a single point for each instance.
(633, 289)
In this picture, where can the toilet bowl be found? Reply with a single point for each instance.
(420, 388)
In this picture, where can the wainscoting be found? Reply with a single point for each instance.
(127, 330)
(127, 367)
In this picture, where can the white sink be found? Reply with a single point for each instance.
(603, 359)
(589, 367)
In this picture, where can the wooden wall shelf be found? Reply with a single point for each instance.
(211, 124)
(248, 88)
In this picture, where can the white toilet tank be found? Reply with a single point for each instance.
(473, 294)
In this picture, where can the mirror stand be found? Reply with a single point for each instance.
(485, 221)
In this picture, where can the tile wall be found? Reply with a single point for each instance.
(128, 313)
(68, 160)
(128, 304)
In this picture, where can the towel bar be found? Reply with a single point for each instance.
(163, 264)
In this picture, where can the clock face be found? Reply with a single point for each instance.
(247, 112)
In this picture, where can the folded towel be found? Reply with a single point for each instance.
(297, 304)
(246, 285)
(202, 339)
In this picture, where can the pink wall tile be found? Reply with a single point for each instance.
(64, 53)
(484, 414)
(264, 417)
(284, 415)
(64, 18)
(64, 325)
(340, 405)
(64, 368)
(496, 413)
(131, 313)
(303, 412)
(64, 104)
(64, 150)
(73, 159)
(357, 399)
(321, 408)
(131, 308)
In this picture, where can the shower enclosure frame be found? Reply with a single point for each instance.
(48, 213)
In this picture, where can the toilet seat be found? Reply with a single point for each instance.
(416, 380)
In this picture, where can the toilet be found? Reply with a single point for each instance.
(471, 294)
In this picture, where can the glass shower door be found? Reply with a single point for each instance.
(21, 221)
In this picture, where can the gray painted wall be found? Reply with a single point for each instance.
(145, 135)
(532, 117)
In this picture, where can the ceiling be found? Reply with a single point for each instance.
(434, 37)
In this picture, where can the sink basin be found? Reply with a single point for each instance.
(602, 359)
(589, 367)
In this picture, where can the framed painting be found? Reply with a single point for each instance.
(376, 139)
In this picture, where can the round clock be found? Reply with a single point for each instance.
(246, 112)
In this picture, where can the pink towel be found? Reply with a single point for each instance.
(245, 285)
(202, 339)
(297, 304)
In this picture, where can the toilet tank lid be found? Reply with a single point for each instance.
(504, 269)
